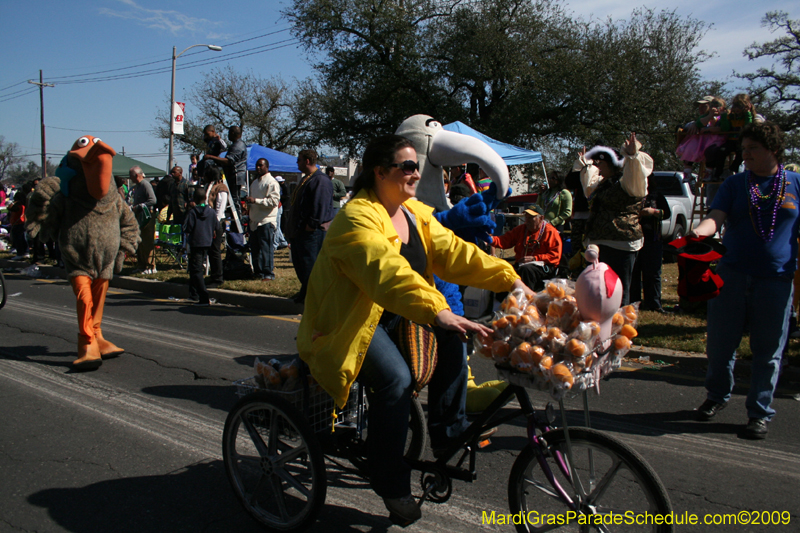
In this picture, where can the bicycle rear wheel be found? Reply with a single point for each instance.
(274, 462)
(614, 478)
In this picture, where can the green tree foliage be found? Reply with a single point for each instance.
(375, 71)
(776, 90)
(645, 77)
(24, 171)
(506, 65)
(269, 111)
(522, 71)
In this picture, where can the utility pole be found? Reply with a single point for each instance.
(42, 85)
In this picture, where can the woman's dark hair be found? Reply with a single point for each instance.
(22, 193)
(768, 135)
(212, 174)
(555, 175)
(380, 152)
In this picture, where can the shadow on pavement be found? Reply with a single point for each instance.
(39, 355)
(654, 424)
(214, 396)
(195, 498)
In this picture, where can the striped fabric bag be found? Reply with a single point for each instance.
(417, 343)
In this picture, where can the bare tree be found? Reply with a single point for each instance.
(269, 111)
(776, 90)
(8, 156)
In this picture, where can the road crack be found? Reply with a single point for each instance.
(17, 528)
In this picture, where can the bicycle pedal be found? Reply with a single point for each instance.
(484, 439)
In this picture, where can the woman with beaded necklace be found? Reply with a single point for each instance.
(760, 206)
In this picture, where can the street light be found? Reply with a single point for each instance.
(172, 97)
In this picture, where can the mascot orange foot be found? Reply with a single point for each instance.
(92, 347)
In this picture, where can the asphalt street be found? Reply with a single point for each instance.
(136, 445)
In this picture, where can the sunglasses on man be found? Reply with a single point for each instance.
(408, 167)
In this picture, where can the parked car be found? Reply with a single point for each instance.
(680, 199)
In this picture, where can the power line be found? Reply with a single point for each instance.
(13, 85)
(17, 92)
(32, 90)
(166, 60)
(62, 79)
(235, 55)
(100, 131)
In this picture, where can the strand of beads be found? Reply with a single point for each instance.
(755, 198)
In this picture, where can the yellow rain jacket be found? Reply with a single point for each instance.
(360, 272)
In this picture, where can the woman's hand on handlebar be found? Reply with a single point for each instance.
(447, 319)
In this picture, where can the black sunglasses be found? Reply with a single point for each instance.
(408, 167)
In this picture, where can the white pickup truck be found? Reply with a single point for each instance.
(680, 199)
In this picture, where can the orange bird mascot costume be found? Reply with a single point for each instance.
(81, 209)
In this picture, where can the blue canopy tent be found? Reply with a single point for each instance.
(278, 161)
(512, 155)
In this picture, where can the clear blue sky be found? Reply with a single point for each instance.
(74, 41)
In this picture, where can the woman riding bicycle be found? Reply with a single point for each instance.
(377, 264)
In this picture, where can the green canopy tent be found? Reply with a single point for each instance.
(122, 166)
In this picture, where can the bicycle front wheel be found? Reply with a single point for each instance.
(613, 487)
(274, 462)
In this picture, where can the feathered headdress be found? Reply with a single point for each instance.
(605, 153)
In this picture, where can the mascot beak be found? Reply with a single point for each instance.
(96, 159)
(449, 149)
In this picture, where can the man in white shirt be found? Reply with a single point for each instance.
(265, 196)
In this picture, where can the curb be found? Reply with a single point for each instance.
(665, 354)
(272, 305)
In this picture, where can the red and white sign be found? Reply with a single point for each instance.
(177, 118)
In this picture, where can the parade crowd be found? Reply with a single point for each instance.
(365, 267)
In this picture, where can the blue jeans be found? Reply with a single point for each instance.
(261, 242)
(280, 240)
(305, 249)
(388, 383)
(621, 262)
(764, 304)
